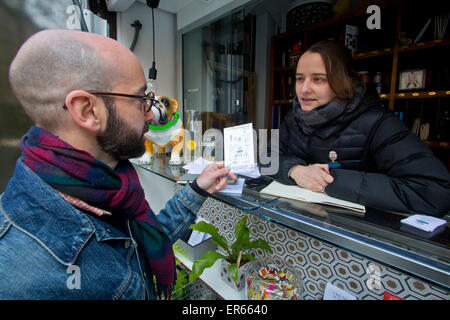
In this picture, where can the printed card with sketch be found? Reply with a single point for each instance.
(238, 148)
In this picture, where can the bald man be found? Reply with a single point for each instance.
(74, 223)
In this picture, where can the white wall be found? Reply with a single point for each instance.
(165, 43)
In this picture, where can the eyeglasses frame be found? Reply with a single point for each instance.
(147, 99)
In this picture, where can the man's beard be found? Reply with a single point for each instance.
(118, 139)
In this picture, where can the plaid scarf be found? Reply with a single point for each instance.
(78, 174)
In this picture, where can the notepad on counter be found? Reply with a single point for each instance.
(424, 222)
(298, 193)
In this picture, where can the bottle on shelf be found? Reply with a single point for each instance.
(295, 53)
(377, 80)
(290, 89)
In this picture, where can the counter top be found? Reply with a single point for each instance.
(378, 235)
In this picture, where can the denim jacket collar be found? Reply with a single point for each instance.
(37, 209)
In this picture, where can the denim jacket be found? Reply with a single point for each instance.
(51, 250)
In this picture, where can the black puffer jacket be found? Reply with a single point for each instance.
(383, 165)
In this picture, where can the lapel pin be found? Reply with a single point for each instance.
(333, 164)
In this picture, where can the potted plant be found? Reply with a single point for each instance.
(235, 256)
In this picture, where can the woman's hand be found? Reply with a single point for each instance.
(314, 177)
(213, 177)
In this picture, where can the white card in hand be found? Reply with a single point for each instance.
(238, 148)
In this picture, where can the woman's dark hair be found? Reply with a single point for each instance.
(338, 64)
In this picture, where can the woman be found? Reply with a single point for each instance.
(338, 139)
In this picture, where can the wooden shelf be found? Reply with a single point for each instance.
(403, 48)
(386, 51)
(417, 95)
(398, 95)
(289, 101)
(284, 69)
(372, 53)
(424, 45)
(438, 144)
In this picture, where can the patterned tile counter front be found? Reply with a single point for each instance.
(320, 262)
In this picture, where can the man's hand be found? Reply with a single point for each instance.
(314, 177)
(213, 177)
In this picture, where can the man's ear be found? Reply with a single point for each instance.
(85, 109)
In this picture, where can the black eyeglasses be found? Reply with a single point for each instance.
(147, 100)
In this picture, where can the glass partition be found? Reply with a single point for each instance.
(218, 71)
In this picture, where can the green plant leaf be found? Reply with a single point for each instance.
(206, 261)
(260, 243)
(181, 290)
(233, 270)
(248, 257)
(242, 232)
(243, 243)
(237, 247)
(202, 226)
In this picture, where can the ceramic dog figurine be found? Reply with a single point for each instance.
(165, 129)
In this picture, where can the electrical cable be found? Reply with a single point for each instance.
(153, 29)
(153, 72)
(137, 27)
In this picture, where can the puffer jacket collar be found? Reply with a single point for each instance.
(354, 108)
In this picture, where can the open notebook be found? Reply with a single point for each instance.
(298, 193)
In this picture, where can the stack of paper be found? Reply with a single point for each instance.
(298, 193)
(197, 166)
(194, 169)
(423, 222)
(198, 237)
